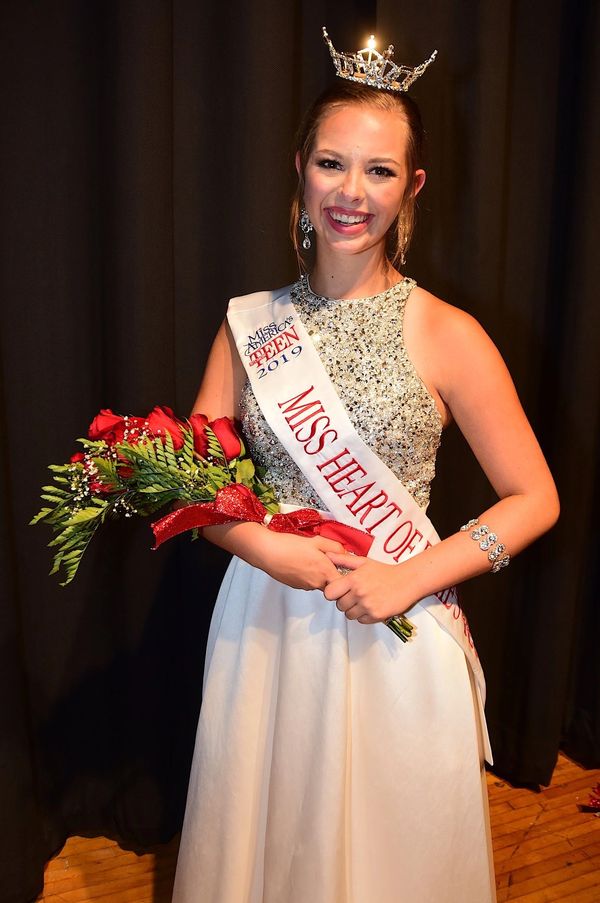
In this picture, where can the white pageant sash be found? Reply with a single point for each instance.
(303, 409)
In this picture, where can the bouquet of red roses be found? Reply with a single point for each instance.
(137, 465)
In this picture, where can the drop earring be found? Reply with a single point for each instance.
(306, 227)
(402, 237)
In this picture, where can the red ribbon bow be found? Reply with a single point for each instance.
(236, 502)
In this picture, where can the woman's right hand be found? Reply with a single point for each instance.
(299, 561)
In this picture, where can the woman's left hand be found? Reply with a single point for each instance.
(370, 592)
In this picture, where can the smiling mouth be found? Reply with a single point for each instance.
(348, 219)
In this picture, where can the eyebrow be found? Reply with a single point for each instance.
(325, 150)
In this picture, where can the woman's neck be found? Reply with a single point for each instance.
(352, 277)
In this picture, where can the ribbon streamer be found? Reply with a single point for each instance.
(236, 502)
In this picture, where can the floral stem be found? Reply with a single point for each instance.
(401, 626)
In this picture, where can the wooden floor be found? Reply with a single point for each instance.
(544, 849)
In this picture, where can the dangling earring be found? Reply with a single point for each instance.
(306, 226)
(402, 240)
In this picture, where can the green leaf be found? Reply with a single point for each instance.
(267, 496)
(107, 468)
(73, 540)
(93, 444)
(56, 489)
(68, 556)
(244, 471)
(71, 567)
(160, 453)
(85, 514)
(169, 450)
(40, 516)
(215, 449)
(56, 564)
(51, 498)
(216, 482)
(187, 452)
(63, 536)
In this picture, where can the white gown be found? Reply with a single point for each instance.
(333, 763)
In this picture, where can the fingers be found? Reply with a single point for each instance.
(332, 575)
(337, 588)
(346, 560)
(328, 545)
(353, 610)
(343, 591)
(347, 605)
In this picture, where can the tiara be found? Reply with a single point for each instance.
(369, 67)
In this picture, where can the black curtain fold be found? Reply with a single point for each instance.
(145, 177)
(506, 233)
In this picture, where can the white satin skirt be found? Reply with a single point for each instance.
(333, 763)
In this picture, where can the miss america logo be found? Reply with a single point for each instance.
(270, 340)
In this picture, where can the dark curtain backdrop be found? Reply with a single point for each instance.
(145, 175)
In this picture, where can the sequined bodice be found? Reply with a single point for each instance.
(361, 345)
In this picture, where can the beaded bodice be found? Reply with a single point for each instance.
(361, 345)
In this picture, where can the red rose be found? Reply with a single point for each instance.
(111, 427)
(224, 430)
(99, 488)
(77, 457)
(161, 418)
(199, 423)
(227, 435)
(124, 467)
(107, 426)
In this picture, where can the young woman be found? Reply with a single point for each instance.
(334, 764)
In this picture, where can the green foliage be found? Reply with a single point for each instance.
(266, 495)
(215, 449)
(244, 472)
(135, 478)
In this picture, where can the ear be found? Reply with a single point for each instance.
(418, 181)
(298, 163)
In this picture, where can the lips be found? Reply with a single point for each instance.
(348, 222)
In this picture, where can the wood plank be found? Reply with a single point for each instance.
(573, 887)
(545, 850)
(557, 855)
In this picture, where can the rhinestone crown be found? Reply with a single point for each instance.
(369, 67)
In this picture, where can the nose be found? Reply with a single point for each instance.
(351, 186)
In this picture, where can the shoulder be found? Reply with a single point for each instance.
(445, 325)
(457, 344)
(441, 319)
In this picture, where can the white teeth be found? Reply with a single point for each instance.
(346, 219)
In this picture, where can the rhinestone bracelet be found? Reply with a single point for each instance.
(488, 542)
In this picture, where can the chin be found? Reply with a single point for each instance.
(354, 246)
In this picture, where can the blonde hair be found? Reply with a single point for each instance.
(345, 94)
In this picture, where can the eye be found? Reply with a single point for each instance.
(383, 172)
(329, 163)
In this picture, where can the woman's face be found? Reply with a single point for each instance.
(356, 176)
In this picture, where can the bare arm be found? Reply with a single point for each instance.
(473, 382)
(294, 560)
(221, 387)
